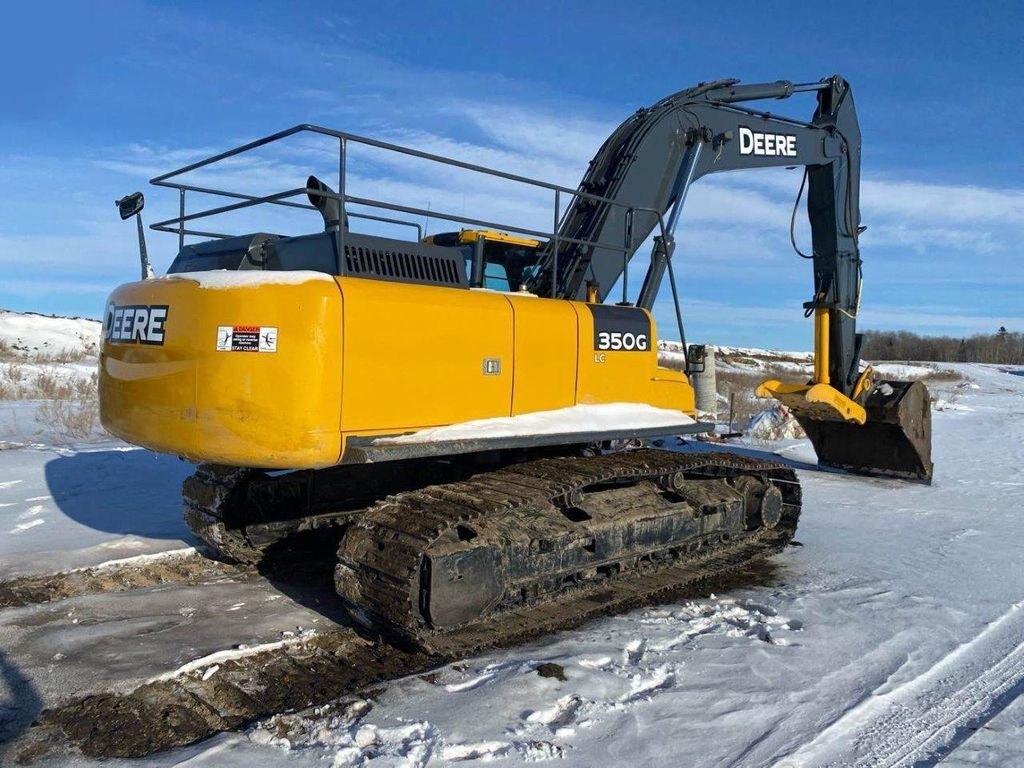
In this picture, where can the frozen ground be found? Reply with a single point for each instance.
(63, 508)
(893, 637)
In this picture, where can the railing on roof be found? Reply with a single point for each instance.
(177, 223)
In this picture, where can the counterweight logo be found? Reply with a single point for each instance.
(766, 144)
(135, 324)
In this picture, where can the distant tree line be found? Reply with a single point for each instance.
(1000, 347)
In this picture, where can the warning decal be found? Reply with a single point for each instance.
(246, 338)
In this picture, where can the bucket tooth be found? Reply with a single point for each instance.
(814, 401)
(895, 440)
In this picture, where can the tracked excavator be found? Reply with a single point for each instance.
(464, 417)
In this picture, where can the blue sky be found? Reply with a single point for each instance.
(102, 96)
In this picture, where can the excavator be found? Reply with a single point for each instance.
(468, 418)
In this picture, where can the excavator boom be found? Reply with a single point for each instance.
(647, 167)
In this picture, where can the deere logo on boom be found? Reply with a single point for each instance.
(135, 324)
(766, 144)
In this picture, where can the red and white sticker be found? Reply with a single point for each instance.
(246, 338)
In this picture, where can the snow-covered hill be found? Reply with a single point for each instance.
(48, 379)
(48, 337)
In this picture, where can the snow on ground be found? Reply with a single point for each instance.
(893, 635)
(902, 371)
(880, 642)
(63, 509)
(70, 498)
(46, 336)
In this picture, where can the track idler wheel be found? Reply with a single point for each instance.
(763, 503)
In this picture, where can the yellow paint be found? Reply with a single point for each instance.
(271, 409)
(472, 235)
(816, 401)
(634, 377)
(414, 355)
(546, 353)
(863, 383)
(356, 357)
(821, 341)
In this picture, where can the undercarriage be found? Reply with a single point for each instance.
(463, 553)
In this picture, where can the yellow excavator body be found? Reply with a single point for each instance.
(282, 372)
(344, 355)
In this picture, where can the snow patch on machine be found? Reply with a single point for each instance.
(228, 278)
(577, 419)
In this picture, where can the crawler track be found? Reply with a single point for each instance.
(248, 516)
(666, 527)
(457, 557)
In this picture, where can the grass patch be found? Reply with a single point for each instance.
(68, 401)
(738, 387)
(944, 374)
(76, 418)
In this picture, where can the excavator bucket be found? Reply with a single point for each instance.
(889, 436)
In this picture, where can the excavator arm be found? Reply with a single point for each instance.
(637, 185)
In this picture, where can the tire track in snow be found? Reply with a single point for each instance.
(926, 718)
(182, 566)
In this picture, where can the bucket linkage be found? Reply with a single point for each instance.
(883, 429)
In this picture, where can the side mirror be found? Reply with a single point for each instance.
(129, 205)
(695, 355)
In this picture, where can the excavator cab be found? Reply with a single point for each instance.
(494, 260)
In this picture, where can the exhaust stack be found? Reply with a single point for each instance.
(329, 207)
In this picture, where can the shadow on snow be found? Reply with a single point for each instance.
(121, 491)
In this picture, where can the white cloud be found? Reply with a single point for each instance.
(942, 203)
(923, 239)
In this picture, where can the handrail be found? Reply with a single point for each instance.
(277, 197)
(308, 127)
(177, 224)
